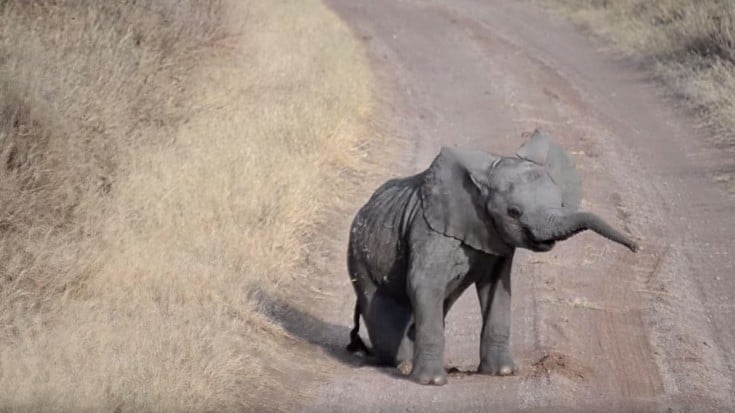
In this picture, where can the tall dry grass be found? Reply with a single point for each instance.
(159, 161)
(691, 44)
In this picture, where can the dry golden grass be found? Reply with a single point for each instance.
(690, 42)
(159, 161)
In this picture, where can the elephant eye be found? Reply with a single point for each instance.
(514, 212)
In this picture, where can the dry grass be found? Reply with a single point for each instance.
(160, 160)
(690, 42)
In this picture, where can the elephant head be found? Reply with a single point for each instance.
(495, 204)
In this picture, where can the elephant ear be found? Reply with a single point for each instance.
(542, 150)
(451, 196)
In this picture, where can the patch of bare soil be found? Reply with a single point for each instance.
(557, 363)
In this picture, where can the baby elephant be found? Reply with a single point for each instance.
(420, 241)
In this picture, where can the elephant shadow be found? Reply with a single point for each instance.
(330, 337)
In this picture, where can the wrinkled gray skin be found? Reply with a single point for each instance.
(420, 241)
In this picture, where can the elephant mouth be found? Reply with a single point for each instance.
(542, 246)
(538, 245)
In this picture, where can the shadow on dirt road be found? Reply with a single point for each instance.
(330, 337)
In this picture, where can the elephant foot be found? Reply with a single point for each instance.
(429, 374)
(500, 364)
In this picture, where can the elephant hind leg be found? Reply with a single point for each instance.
(382, 357)
(356, 343)
(389, 323)
(387, 320)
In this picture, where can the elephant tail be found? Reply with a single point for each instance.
(356, 343)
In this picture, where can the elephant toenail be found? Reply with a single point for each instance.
(439, 381)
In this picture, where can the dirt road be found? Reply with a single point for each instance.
(595, 328)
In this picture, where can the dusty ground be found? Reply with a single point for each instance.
(595, 328)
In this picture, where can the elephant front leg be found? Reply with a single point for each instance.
(428, 358)
(494, 295)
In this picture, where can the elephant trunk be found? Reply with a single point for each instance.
(560, 226)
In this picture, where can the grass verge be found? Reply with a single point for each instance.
(160, 161)
(690, 43)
